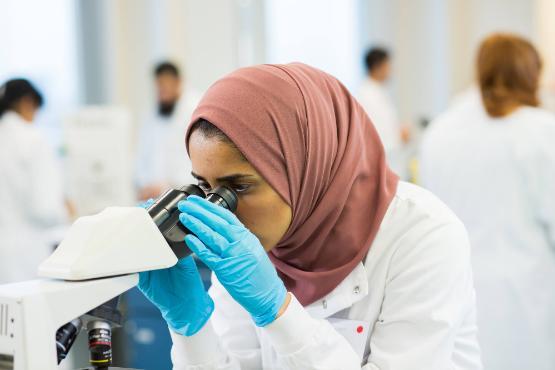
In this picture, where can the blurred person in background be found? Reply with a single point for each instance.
(162, 161)
(31, 192)
(494, 165)
(377, 102)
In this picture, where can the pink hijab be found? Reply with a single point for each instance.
(303, 131)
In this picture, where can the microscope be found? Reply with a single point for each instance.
(98, 260)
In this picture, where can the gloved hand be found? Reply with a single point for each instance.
(147, 203)
(236, 257)
(179, 294)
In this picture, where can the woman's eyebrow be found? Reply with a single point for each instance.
(235, 177)
(229, 178)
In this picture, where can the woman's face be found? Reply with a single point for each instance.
(27, 108)
(260, 208)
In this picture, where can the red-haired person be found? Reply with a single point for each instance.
(493, 163)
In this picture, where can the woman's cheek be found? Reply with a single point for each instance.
(246, 212)
(256, 220)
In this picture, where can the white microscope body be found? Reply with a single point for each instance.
(97, 261)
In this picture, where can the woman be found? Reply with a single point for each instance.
(31, 192)
(331, 262)
(494, 164)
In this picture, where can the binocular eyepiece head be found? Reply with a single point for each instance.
(165, 214)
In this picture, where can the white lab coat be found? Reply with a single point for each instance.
(409, 306)
(377, 103)
(379, 106)
(162, 156)
(498, 176)
(31, 198)
(468, 100)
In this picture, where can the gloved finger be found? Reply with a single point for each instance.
(218, 210)
(146, 204)
(206, 216)
(206, 255)
(209, 237)
(187, 263)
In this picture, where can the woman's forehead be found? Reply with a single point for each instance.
(213, 158)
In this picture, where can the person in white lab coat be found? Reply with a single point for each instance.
(31, 192)
(162, 161)
(331, 261)
(377, 102)
(492, 160)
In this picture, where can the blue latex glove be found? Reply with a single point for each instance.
(236, 257)
(147, 203)
(179, 294)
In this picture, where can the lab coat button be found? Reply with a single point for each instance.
(356, 290)
(325, 304)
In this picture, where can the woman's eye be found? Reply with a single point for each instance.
(240, 188)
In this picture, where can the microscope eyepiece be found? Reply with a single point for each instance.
(225, 197)
(165, 214)
(166, 203)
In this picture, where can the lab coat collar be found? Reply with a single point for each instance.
(370, 83)
(12, 118)
(351, 290)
